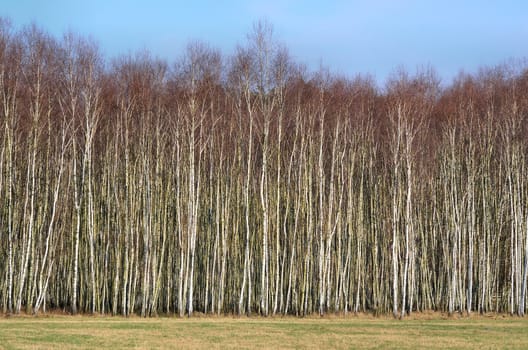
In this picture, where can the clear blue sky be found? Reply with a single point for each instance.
(356, 36)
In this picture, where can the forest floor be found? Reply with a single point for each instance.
(428, 331)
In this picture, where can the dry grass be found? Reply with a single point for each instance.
(426, 330)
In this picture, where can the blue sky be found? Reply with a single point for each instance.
(356, 36)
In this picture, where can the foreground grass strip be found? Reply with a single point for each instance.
(84, 332)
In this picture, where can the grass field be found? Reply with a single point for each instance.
(427, 331)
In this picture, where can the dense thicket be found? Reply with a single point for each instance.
(246, 185)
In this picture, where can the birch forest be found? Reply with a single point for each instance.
(244, 184)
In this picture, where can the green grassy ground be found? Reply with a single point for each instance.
(364, 332)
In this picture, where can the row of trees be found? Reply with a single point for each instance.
(245, 185)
